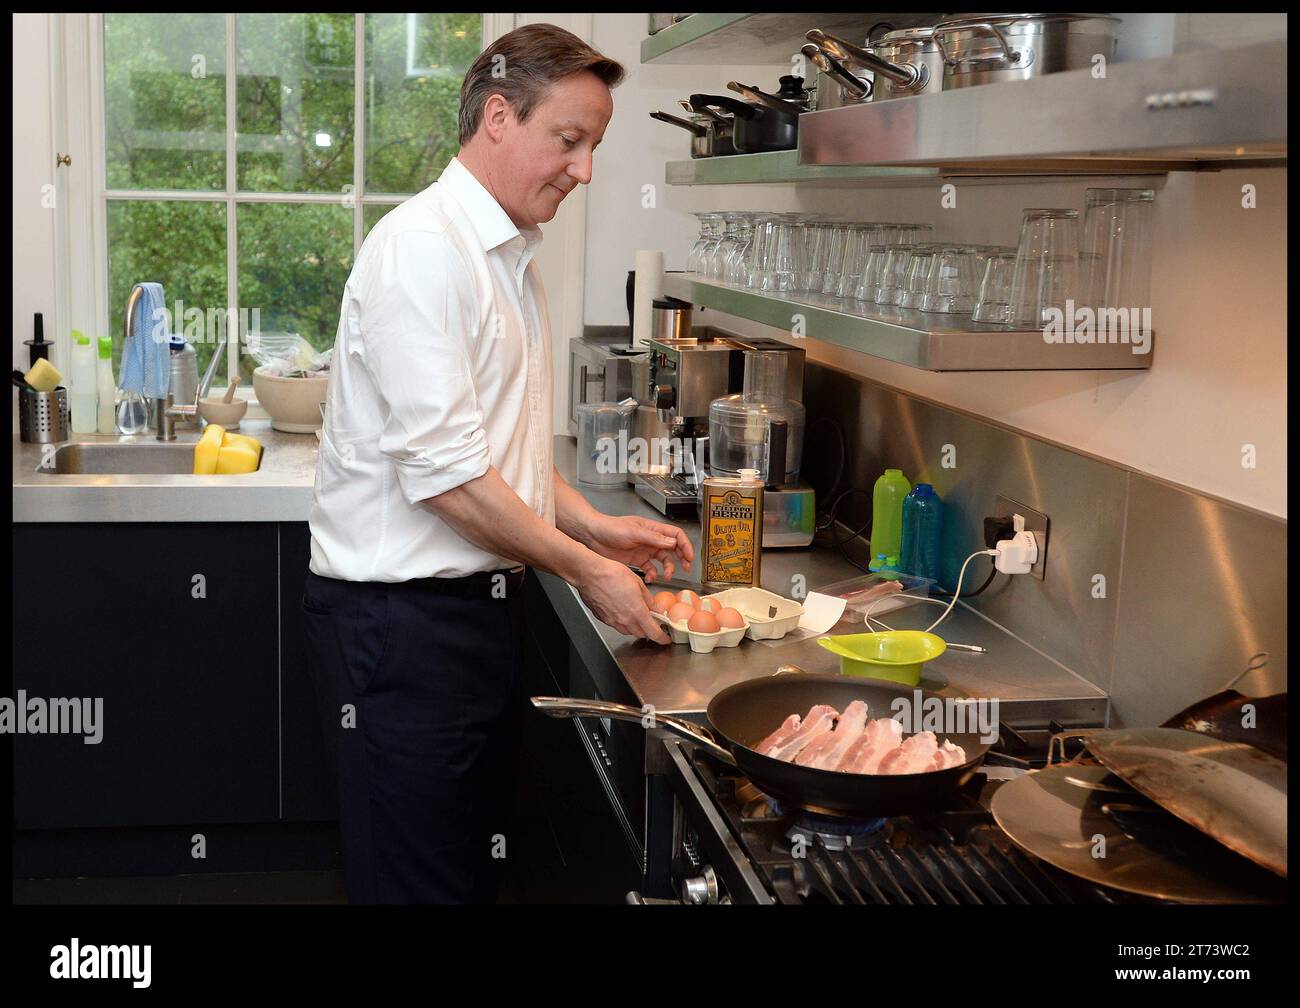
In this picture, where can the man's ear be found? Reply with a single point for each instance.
(496, 115)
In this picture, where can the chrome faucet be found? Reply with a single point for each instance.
(167, 410)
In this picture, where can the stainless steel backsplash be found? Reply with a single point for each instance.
(1157, 594)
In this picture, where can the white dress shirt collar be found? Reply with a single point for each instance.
(490, 222)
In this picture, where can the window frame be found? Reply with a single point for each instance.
(80, 47)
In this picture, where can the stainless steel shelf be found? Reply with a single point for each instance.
(1213, 108)
(754, 39)
(781, 166)
(784, 166)
(917, 339)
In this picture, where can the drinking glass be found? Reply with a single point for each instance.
(735, 265)
(784, 252)
(1047, 266)
(893, 275)
(816, 245)
(871, 272)
(757, 250)
(856, 244)
(993, 303)
(709, 222)
(918, 276)
(1116, 255)
(952, 284)
(835, 249)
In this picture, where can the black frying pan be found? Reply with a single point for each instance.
(746, 713)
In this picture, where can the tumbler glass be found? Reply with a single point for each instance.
(837, 242)
(816, 245)
(856, 244)
(871, 272)
(1047, 266)
(952, 284)
(993, 303)
(918, 276)
(1116, 256)
(893, 275)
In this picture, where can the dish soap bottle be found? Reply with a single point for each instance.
(922, 530)
(887, 519)
(105, 387)
(731, 530)
(83, 397)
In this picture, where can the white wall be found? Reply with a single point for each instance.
(1218, 380)
(33, 167)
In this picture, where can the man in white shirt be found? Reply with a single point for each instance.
(435, 484)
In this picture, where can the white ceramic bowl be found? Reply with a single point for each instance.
(292, 403)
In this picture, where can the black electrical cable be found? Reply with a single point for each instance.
(844, 454)
(987, 581)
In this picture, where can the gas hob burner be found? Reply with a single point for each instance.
(836, 833)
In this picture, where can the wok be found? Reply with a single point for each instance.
(746, 713)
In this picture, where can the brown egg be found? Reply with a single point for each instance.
(730, 619)
(689, 597)
(662, 602)
(709, 605)
(680, 612)
(703, 622)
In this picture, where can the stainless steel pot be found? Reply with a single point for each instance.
(902, 63)
(711, 134)
(701, 134)
(988, 48)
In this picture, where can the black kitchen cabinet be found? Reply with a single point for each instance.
(174, 627)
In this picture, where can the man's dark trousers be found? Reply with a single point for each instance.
(417, 686)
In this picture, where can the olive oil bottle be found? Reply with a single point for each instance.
(731, 530)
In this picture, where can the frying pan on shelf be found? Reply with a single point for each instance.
(742, 715)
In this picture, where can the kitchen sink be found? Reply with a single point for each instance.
(129, 459)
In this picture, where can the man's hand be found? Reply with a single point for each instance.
(640, 542)
(618, 599)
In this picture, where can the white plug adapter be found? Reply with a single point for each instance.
(1018, 554)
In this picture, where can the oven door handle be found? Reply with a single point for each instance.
(574, 708)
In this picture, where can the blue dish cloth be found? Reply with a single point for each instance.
(146, 357)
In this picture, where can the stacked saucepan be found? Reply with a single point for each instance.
(721, 124)
(956, 52)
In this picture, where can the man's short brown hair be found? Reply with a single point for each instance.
(522, 65)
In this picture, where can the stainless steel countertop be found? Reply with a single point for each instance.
(279, 491)
(673, 679)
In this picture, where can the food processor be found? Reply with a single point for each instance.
(762, 428)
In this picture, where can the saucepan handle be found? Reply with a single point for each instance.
(1008, 57)
(574, 708)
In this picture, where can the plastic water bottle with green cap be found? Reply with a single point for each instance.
(83, 398)
(887, 520)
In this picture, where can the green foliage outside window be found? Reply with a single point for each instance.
(295, 111)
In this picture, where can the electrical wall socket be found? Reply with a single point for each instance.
(1035, 522)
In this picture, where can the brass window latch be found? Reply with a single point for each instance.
(63, 159)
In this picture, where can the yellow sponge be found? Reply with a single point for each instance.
(208, 449)
(237, 458)
(43, 377)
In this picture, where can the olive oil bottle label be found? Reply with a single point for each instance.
(731, 536)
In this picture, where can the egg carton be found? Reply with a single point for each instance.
(767, 616)
(702, 643)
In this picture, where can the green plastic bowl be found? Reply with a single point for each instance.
(896, 655)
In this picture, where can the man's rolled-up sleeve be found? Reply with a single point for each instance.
(418, 320)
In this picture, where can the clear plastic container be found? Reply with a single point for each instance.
(877, 594)
(602, 444)
(746, 430)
